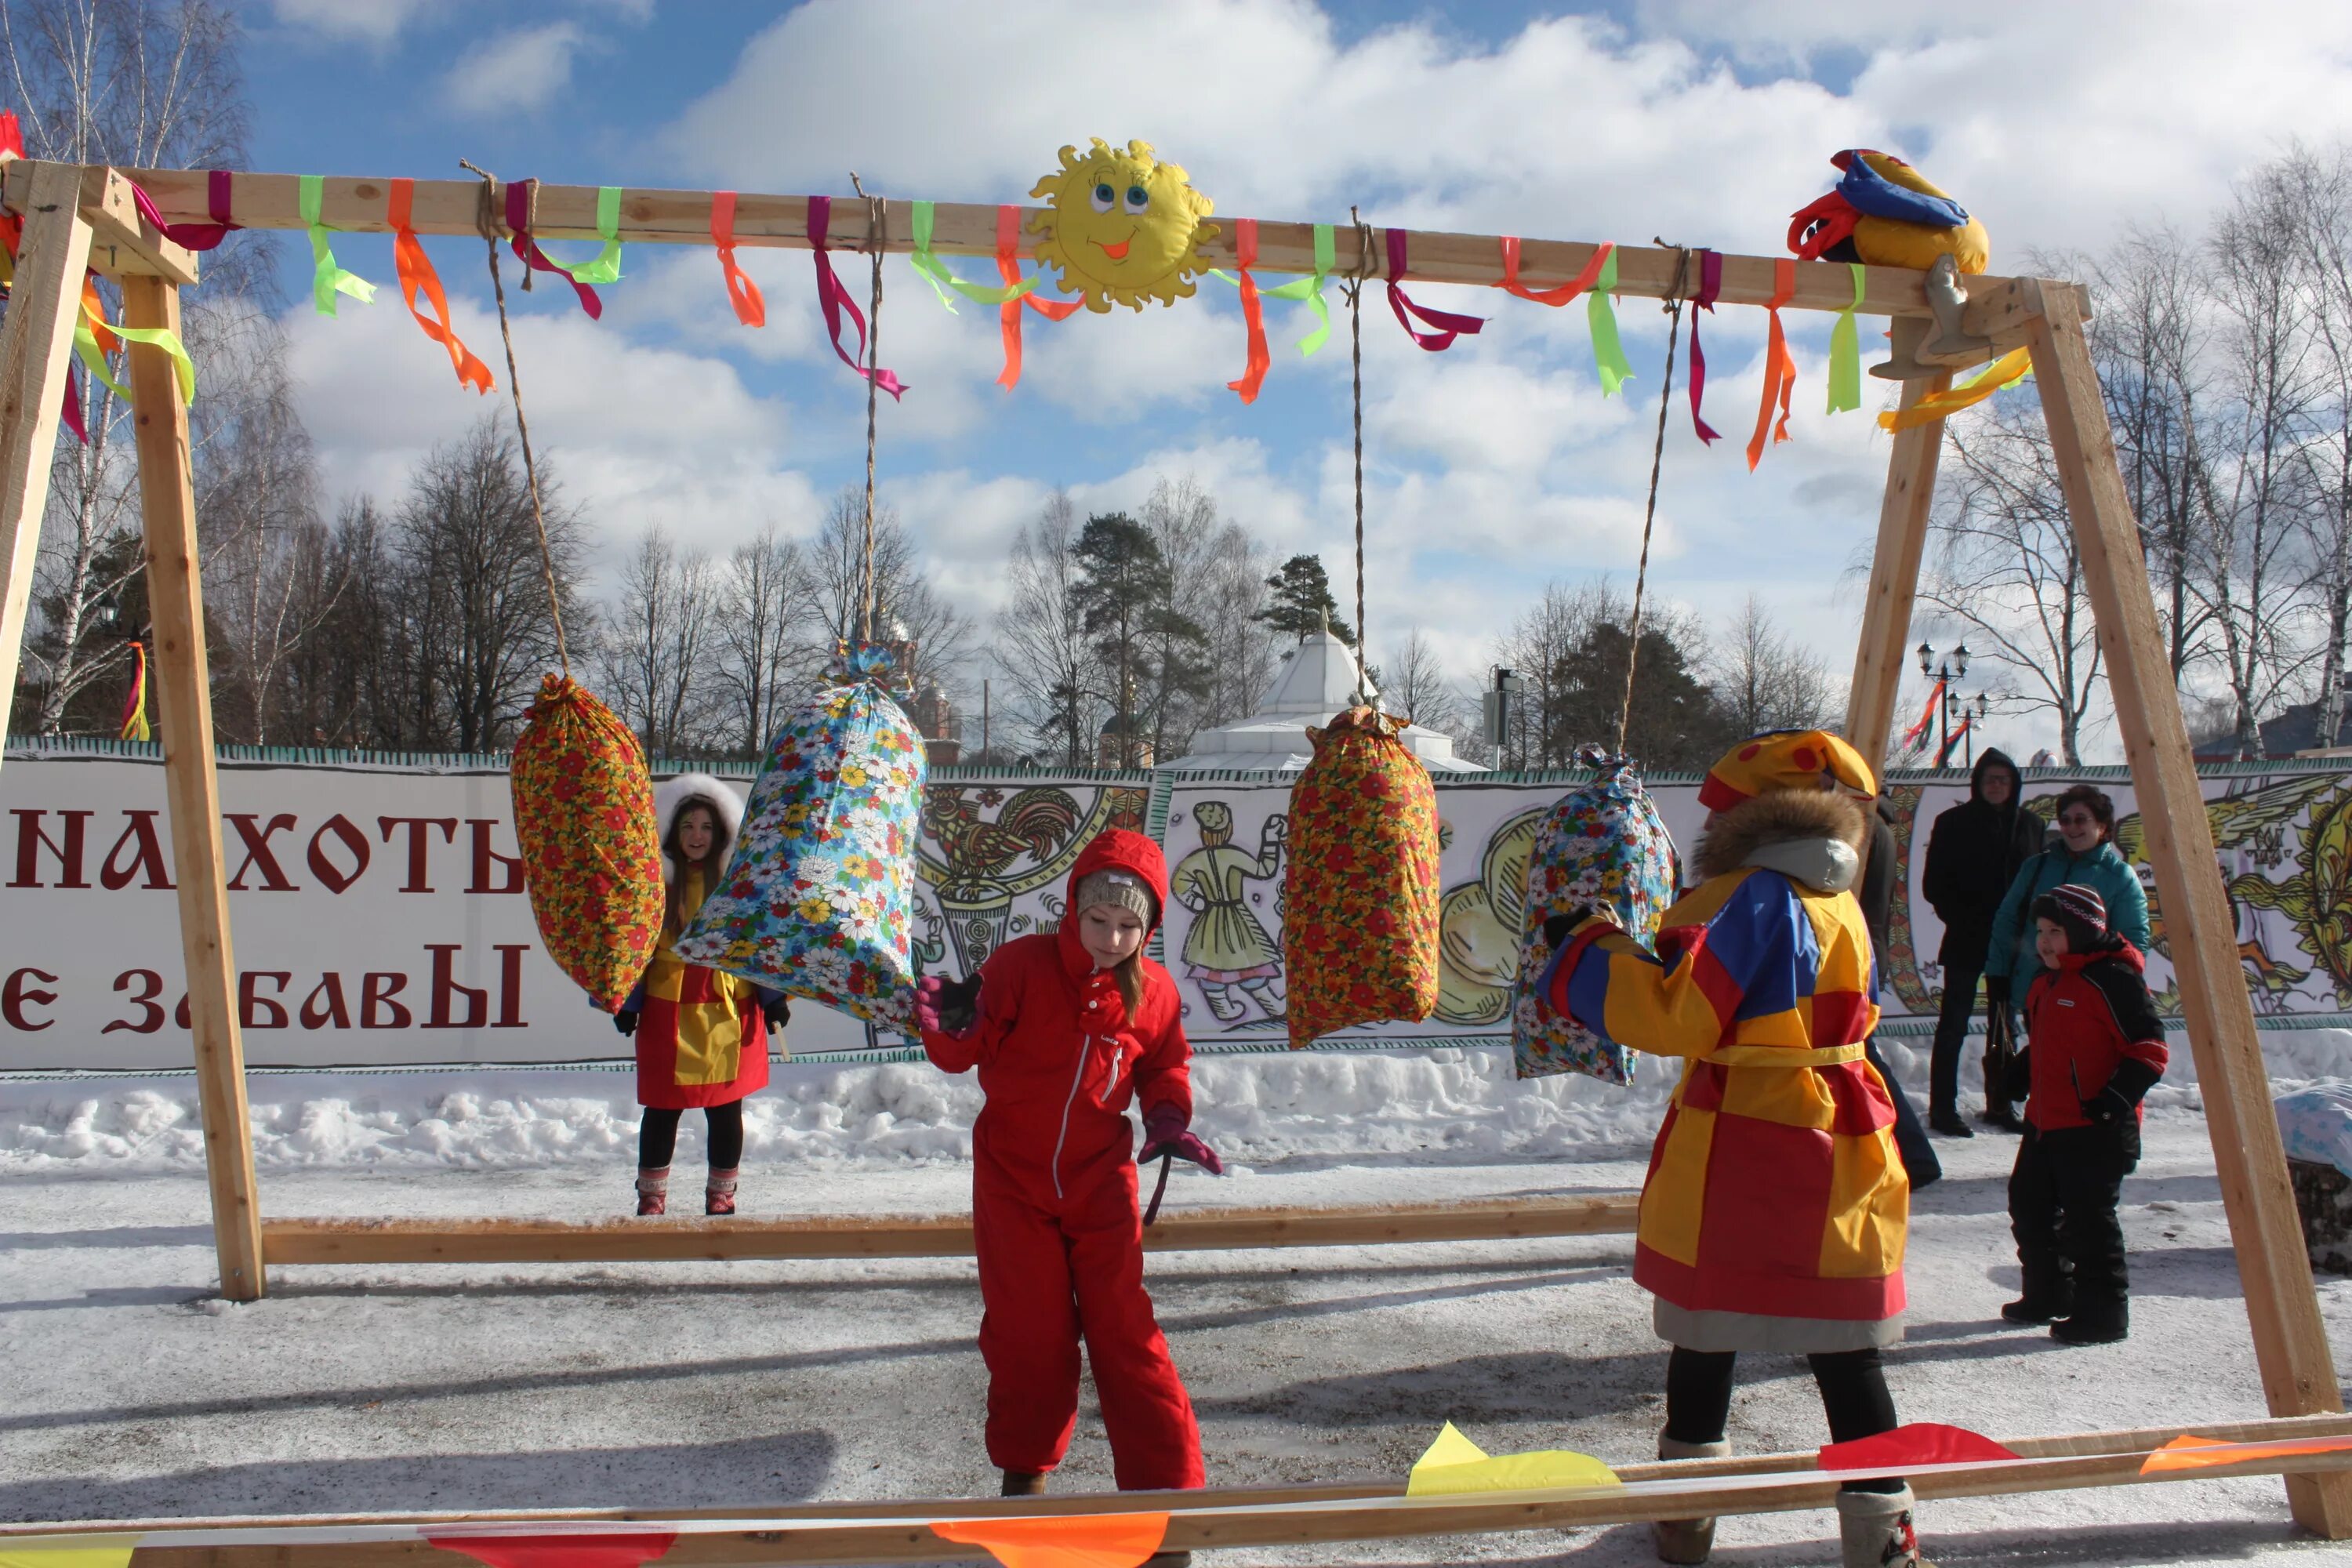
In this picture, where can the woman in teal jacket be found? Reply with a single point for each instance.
(2086, 856)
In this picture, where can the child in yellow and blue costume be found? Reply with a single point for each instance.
(1775, 1211)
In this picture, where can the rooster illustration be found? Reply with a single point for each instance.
(1034, 822)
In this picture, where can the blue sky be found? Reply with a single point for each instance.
(1491, 468)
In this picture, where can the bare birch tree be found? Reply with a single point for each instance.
(765, 657)
(1763, 681)
(1048, 657)
(657, 632)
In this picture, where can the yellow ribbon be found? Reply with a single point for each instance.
(2007, 371)
(86, 345)
(1782, 1057)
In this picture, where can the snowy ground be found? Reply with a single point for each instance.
(134, 1390)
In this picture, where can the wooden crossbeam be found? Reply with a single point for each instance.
(300, 1241)
(649, 217)
(897, 1531)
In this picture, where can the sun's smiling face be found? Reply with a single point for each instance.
(1121, 225)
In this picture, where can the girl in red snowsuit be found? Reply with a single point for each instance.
(1067, 1028)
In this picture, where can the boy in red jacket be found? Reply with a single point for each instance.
(2095, 1048)
(1066, 1028)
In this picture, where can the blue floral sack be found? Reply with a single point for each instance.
(818, 897)
(1604, 846)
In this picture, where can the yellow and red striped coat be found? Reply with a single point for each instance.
(1774, 1187)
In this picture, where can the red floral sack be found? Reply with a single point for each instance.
(1359, 896)
(583, 812)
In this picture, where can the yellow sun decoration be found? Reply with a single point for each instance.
(1121, 227)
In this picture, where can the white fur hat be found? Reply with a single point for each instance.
(672, 795)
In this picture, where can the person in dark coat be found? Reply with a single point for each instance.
(1877, 896)
(1973, 855)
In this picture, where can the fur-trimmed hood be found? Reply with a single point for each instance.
(1812, 837)
(672, 795)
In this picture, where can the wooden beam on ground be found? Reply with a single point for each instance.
(961, 229)
(2290, 1338)
(176, 598)
(36, 352)
(899, 1532)
(631, 1240)
(1884, 651)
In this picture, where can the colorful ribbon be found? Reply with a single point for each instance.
(1309, 289)
(751, 305)
(1008, 315)
(2006, 371)
(834, 299)
(1780, 366)
(183, 369)
(2187, 1452)
(1845, 352)
(1566, 291)
(416, 275)
(1448, 324)
(1609, 360)
(527, 250)
(1710, 285)
(1076, 1541)
(194, 236)
(1252, 314)
(134, 725)
(327, 279)
(943, 281)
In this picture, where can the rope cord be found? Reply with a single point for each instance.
(1674, 309)
(489, 225)
(877, 230)
(1364, 694)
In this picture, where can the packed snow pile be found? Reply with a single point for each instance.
(1252, 1107)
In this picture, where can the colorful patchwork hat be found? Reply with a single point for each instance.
(1785, 760)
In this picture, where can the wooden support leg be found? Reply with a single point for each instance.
(175, 597)
(2289, 1340)
(1885, 648)
(34, 356)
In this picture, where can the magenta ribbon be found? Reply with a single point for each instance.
(1710, 284)
(834, 299)
(71, 411)
(527, 250)
(1449, 325)
(194, 236)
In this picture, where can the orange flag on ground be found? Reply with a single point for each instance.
(2188, 1453)
(1072, 1540)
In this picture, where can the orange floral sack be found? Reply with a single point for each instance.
(1359, 896)
(583, 810)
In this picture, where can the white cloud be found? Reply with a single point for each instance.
(525, 69)
(376, 22)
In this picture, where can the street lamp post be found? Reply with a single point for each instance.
(1952, 668)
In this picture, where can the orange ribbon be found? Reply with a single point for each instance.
(1077, 1540)
(1253, 313)
(107, 341)
(1008, 315)
(415, 269)
(751, 307)
(1779, 367)
(1566, 291)
(2192, 1453)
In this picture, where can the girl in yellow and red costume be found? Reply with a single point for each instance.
(1774, 1214)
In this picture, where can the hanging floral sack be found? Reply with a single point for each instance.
(1359, 896)
(818, 897)
(1604, 846)
(584, 814)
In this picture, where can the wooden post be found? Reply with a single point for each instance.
(175, 597)
(2289, 1340)
(38, 347)
(1885, 649)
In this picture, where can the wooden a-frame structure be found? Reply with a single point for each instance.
(80, 218)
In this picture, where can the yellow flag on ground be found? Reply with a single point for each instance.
(1454, 1464)
(67, 1551)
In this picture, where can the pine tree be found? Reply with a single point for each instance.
(1302, 598)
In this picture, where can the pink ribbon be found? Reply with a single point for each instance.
(71, 411)
(527, 250)
(194, 236)
(1710, 284)
(834, 299)
(1449, 325)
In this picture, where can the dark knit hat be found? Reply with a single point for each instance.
(1123, 890)
(2081, 911)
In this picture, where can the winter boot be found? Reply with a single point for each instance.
(1875, 1530)
(653, 1191)
(1945, 1121)
(2001, 1116)
(2095, 1321)
(1686, 1541)
(1024, 1483)
(718, 1197)
(2049, 1294)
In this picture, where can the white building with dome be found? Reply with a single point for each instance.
(1317, 680)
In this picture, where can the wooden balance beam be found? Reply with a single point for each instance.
(898, 1531)
(633, 1240)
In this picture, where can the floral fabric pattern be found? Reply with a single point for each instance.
(1604, 846)
(1359, 896)
(583, 812)
(817, 900)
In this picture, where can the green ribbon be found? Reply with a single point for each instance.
(1601, 314)
(1845, 353)
(327, 279)
(605, 267)
(942, 279)
(86, 346)
(1308, 288)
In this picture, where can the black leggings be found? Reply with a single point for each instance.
(1853, 1396)
(657, 1136)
